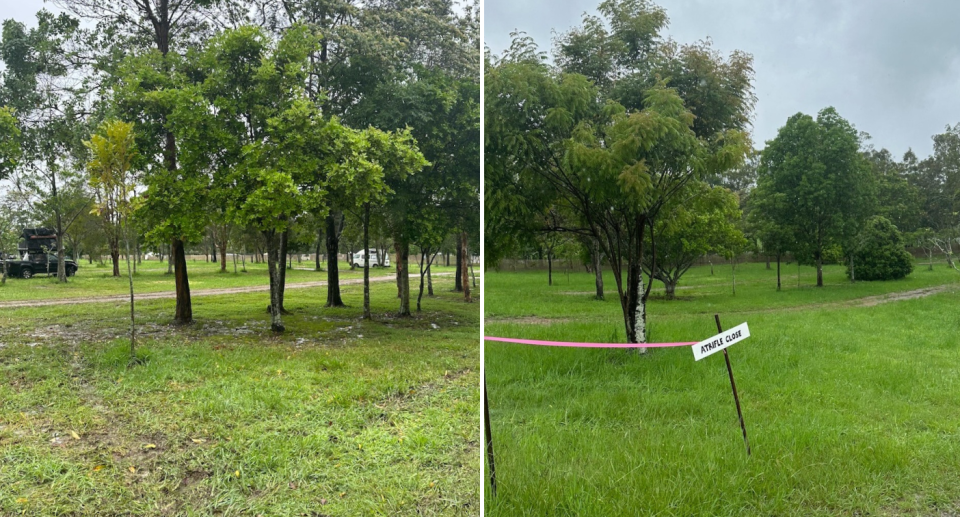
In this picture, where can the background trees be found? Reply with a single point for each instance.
(250, 123)
(819, 184)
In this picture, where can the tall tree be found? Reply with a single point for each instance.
(821, 181)
(169, 26)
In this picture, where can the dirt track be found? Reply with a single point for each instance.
(199, 292)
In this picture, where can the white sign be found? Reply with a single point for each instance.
(720, 341)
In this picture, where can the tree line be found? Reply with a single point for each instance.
(245, 123)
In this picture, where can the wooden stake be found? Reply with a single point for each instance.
(733, 386)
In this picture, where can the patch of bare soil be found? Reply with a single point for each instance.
(871, 301)
(867, 301)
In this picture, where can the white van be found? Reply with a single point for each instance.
(357, 259)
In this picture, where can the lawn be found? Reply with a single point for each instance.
(338, 416)
(851, 398)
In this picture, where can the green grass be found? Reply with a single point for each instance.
(151, 277)
(850, 409)
(338, 416)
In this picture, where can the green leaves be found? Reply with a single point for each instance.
(10, 151)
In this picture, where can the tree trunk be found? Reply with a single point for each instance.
(282, 273)
(366, 262)
(597, 269)
(429, 283)
(317, 254)
(184, 311)
(636, 310)
(458, 282)
(133, 320)
(170, 260)
(853, 272)
(61, 270)
(670, 287)
(464, 269)
(549, 266)
(274, 266)
(423, 261)
(115, 255)
(778, 271)
(333, 273)
(930, 260)
(223, 251)
(768, 262)
(819, 271)
(403, 273)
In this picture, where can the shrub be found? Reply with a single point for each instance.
(881, 254)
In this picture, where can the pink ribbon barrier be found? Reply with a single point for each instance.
(585, 345)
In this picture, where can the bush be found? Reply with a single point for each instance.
(881, 254)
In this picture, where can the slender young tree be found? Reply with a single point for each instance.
(113, 153)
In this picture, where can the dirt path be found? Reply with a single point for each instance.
(199, 292)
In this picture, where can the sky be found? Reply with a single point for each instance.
(890, 67)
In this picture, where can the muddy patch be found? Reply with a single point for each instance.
(871, 301)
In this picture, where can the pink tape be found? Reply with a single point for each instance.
(585, 345)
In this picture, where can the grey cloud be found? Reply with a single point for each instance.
(892, 67)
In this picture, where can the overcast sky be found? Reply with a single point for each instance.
(891, 67)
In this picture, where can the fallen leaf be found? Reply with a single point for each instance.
(197, 440)
(132, 469)
(237, 473)
(21, 500)
(74, 435)
(150, 446)
(98, 468)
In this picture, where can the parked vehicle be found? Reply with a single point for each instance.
(357, 259)
(36, 263)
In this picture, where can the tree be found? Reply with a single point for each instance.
(374, 66)
(816, 182)
(398, 158)
(623, 126)
(168, 26)
(702, 220)
(897, 199)
(882, 255)
(112, 157)
(614, 170)
(36, 85)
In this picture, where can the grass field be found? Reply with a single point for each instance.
(151, 277)
(850, 392)
(338, 416)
